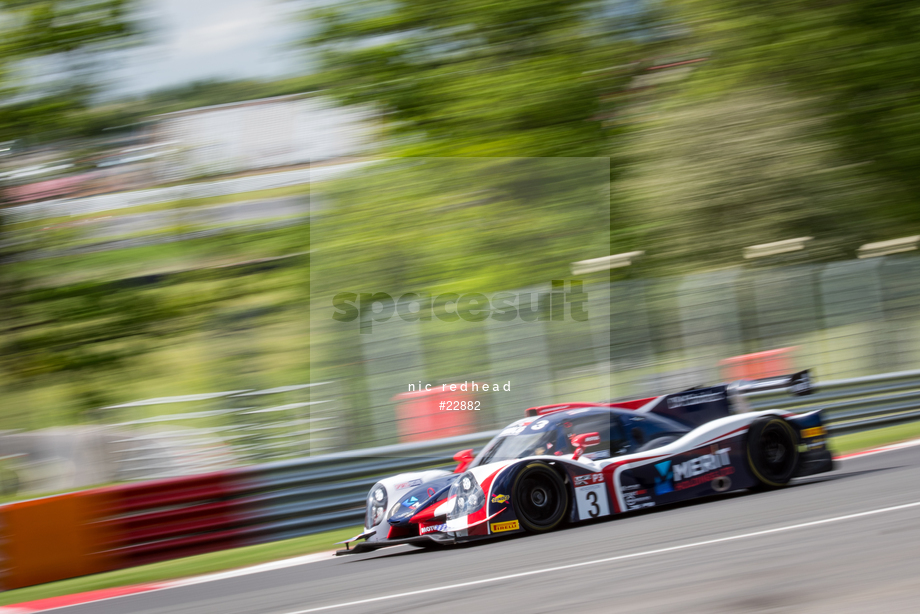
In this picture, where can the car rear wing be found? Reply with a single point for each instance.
(698, 406)
(798, 384)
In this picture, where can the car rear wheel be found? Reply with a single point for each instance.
(772, 451)
(540, 498)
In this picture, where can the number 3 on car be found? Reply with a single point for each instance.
(592, 501)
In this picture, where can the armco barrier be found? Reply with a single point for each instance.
(110, 528)
(857, 404)
(54, 538)
(103, 529)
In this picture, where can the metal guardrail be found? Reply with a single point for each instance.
(856, 404)
(170, 518)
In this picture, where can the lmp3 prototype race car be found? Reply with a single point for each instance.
(581, 461)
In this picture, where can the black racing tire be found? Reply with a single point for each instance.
(540, 498)
(772, 451)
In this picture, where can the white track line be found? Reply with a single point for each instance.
(245, 571)
(622, 557)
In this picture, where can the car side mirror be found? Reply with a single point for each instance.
(585, 440)
(464, 458)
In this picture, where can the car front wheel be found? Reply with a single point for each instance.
(540, 498)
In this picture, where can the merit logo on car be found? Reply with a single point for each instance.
(701, 464)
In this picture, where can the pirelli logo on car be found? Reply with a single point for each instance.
(511, 525)
(817, 431)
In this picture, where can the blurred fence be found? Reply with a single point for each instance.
(134, 524)
(246, 426)
(223, 429)
(841, 320)
(174, 436)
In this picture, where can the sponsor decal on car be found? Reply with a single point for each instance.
(500, 499)
(664, 481)
(408, 484)
(704, 468)
(678, 476)
(412, 502)
(817, 431)
(684, 400)
(706, 477)
(511, 525)
(637, 500)
(590, 478)
(817, 444)
(701, 464)
(434, 528)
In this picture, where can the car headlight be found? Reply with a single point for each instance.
(376, 506)
(468, 496)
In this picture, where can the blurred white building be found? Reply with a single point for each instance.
(258, 134)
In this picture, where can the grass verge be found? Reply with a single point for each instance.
(844, 444)
(181, 568)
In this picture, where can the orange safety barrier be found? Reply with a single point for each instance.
(420, 415)
(758, 365)
(54, 538)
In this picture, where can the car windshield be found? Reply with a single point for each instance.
(515, 446)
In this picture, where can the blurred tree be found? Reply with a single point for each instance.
(473, 78)
(461, 224)
(713, 174)
(53, 56)
(494, 81)
(853, 62)
(53, 59)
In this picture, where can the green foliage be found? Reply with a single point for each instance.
(467, 224)
(95, 335)
(70, 41)
(476, 78)
(853, 62)
(723, 171)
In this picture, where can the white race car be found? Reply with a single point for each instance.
(580, 461)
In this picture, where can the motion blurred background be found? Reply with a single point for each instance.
(184, 184)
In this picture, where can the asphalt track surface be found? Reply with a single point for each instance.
(847, 541)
